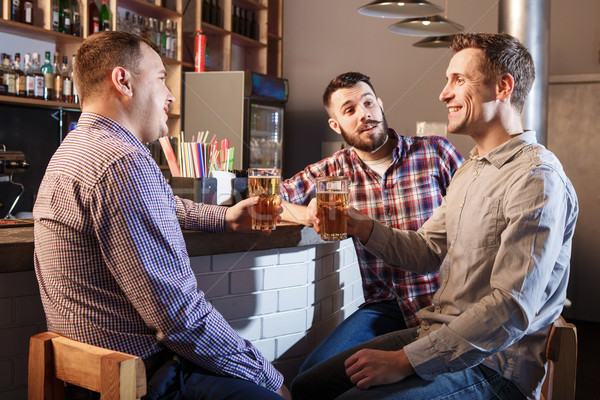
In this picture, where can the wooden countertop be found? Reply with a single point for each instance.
(16, 244)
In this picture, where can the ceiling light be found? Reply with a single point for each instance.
(435, 42)
(400, 9)
(428, 26)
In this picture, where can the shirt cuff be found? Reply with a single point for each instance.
(212, 218)
(425, 359)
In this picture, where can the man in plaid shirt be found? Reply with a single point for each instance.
(396, 180)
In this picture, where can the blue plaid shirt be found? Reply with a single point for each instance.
(404, 198)
(111, 261)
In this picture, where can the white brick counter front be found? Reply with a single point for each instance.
(285, 301)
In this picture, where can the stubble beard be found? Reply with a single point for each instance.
(371, 144)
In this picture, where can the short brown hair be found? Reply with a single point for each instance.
(100, 53)
(344, 81)
(503, 54)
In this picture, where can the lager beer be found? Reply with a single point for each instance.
(332, 202)
(264, 183)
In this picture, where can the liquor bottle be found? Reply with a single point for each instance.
(64, 16)
(75, 95)
(219, 18)
(26, 13)
(67, 81)
(29, 78)
(213, 13)
(75, 18)
(55, 16)
(46, 70)
(205, 10)
(173, 40)
(38, 91)
(3, 87)
(58, 79)
(234, 21)
(19, 76)
(104, 17)
(15, 9)
(93, 18)
(253, 28)
(9, 76)
(246, 24)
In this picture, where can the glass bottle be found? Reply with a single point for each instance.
(93, 18)
(15, 9)
(253, 28)
(19, 76)
(26, 12)
(104, 17)
(67, 80)
(38, 91)
(46, 70)
(205, 10)
(58, 78)
(55, 16)
(9, 76)
(75, 18)
(174, 40)
(75, 95)
(64, 16)
(29, 78)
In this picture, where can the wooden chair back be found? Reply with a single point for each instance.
(561, 352)
(55, 359)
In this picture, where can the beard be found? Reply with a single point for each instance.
(372, 142)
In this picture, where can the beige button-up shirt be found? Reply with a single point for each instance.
(502, 242)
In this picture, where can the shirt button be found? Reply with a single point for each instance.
(460, 206)
(474, 173)
(452, 242)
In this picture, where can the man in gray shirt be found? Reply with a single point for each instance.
(501, 240)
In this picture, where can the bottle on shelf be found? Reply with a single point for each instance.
(38, 91)
(219, 18)
(234, 21)
(75, 18)
(205, 11)
(93, 18)
(67, 80)
(9, 76)
(3, 87)
(173, 40)
(253, 28)
(19, 76)
(55, 15)
(105, 24)
(26, 12)
(58, 78)
(75, 95)
(15, 9)
(213, 12)
(46, 70)
(64, 16)
(245, 24)
(29, 77)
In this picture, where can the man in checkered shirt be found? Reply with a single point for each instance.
(397, 180)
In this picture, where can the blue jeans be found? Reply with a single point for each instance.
(179, 379)
(364, 324)
(328, 380)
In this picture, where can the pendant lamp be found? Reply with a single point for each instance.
(400, 9)
(435, 42)
(428, 26)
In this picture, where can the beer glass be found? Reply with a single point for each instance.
(264, 183)
(332, 202)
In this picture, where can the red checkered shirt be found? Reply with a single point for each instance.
(404, 198)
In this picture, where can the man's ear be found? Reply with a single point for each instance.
(505, 86)
(121, 80)
(333, 124)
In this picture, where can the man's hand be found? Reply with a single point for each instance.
(359, 225)
(238, 217)
(367, 367)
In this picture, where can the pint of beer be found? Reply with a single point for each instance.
(332, 202)
(264, 183)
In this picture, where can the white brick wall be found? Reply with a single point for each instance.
(283, 300)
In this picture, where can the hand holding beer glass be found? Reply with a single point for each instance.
(264, 184)
(332, 203)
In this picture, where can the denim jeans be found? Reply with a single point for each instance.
(328, 380)
(364, 324)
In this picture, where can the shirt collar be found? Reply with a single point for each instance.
(98, 121)
(503, 153)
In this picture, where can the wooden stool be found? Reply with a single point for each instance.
(55, 359)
